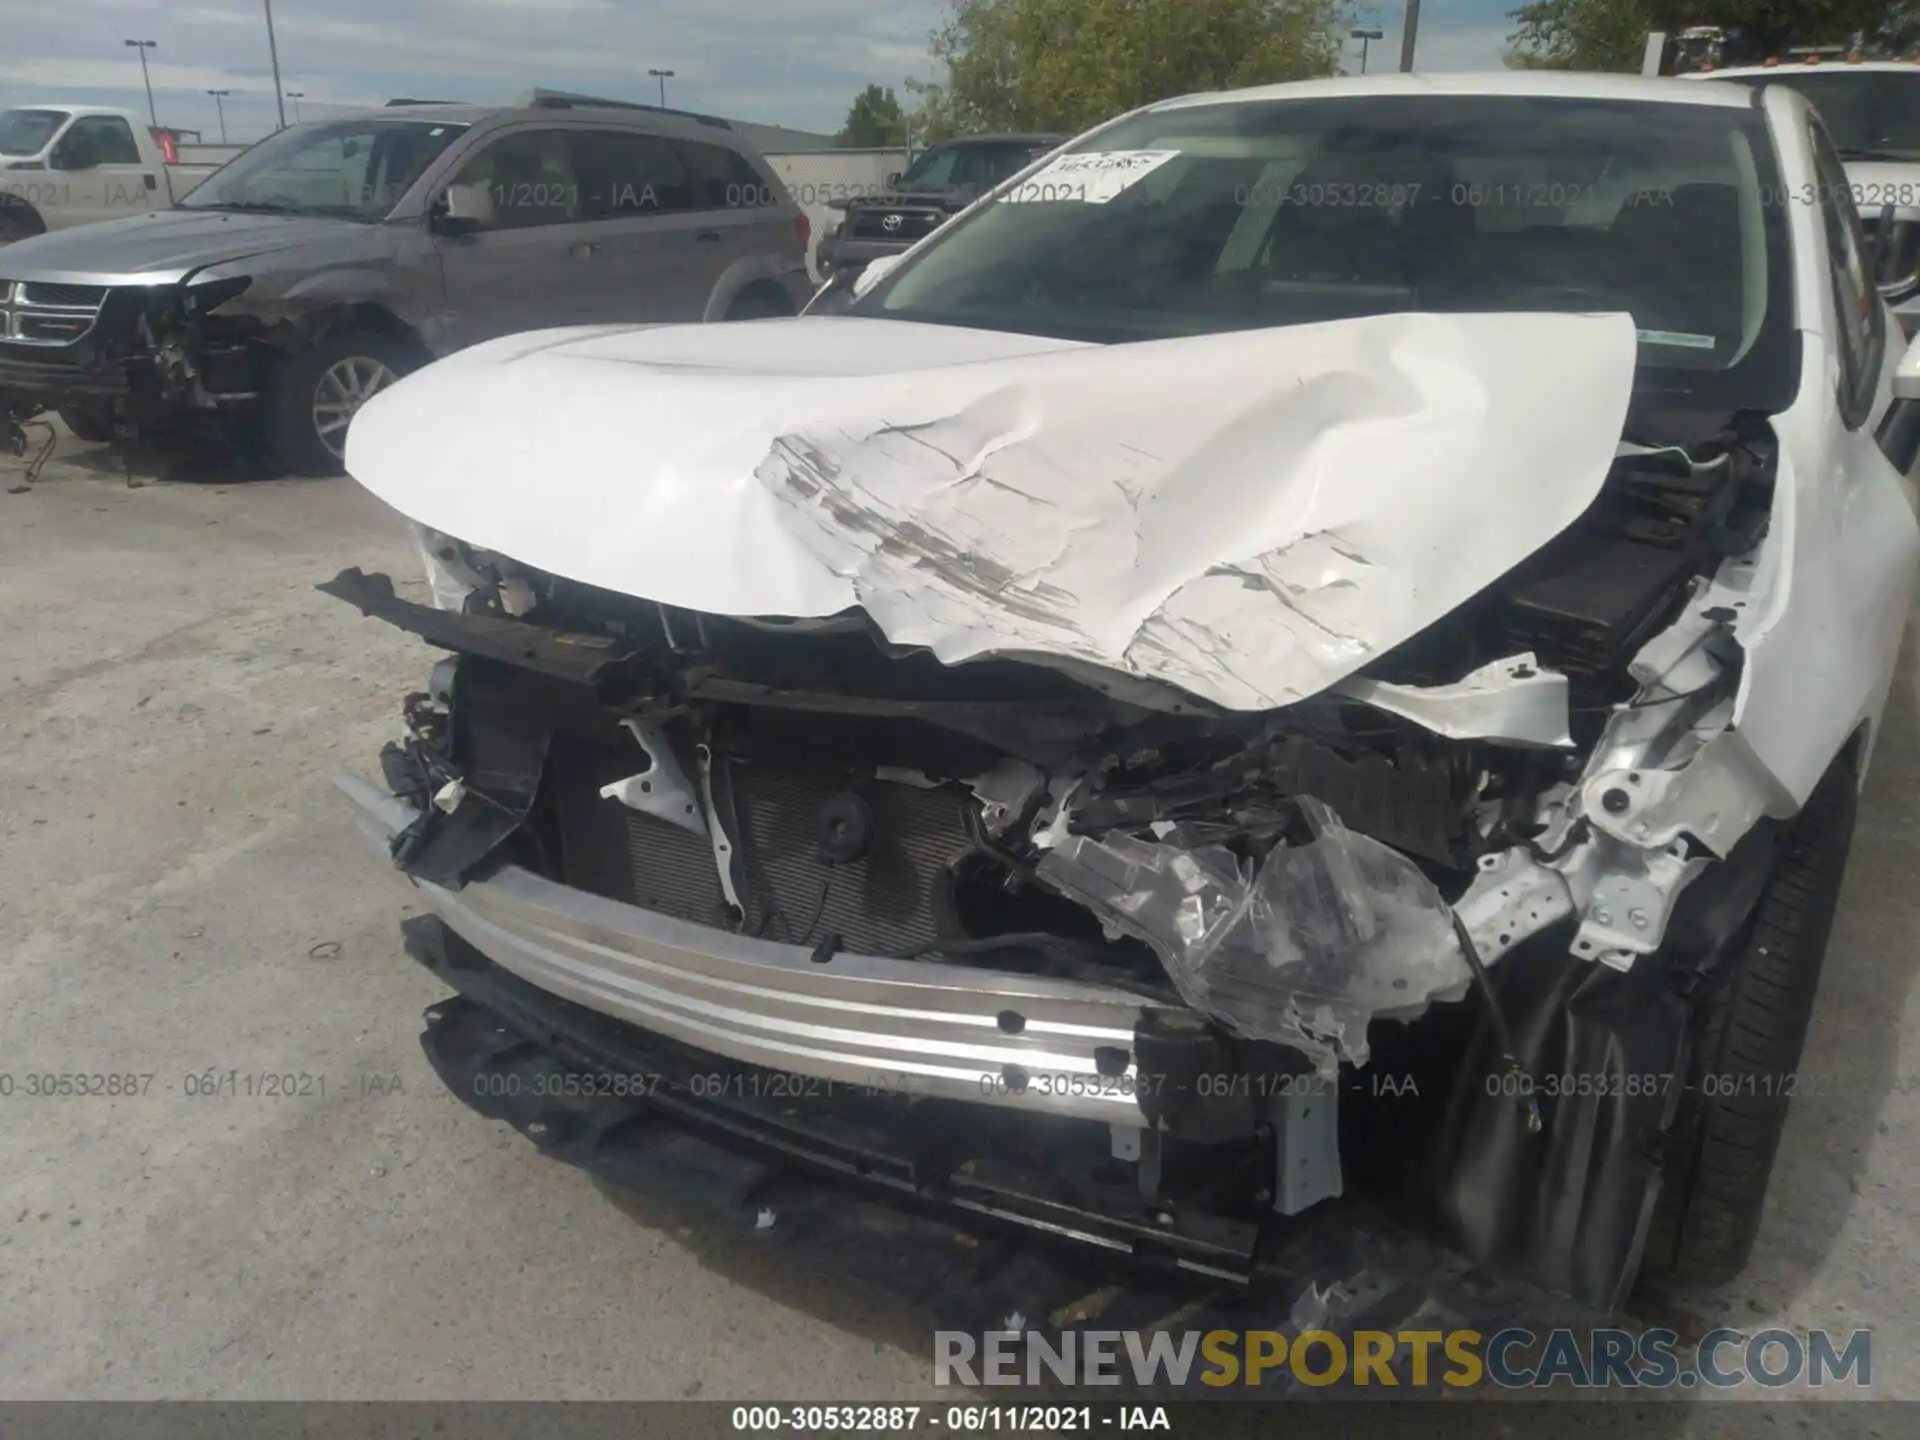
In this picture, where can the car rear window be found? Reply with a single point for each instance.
(625, 172)
(26, 132)
(724, 179)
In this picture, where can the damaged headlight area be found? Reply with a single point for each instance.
(118, 360)
(1323, 936)
(794, 844)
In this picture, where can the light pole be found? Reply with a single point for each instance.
(143, 46)
(273, 53)
(1409, 29)
(220, 109)
(662, 76)
(296, 96)
(1365, 37)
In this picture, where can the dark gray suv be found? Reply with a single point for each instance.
(326, 261)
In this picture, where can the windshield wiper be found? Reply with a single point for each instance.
(278, 207)
(250, 207)
(1897, 157)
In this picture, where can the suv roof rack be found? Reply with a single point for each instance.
(567, 100)
(392, 103)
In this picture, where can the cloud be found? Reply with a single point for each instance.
(797, 62)
(792, 62)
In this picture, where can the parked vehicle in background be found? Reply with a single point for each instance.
(1872, 111)
(65, 165)
(943, 181)
(328, 260)
(1871, 105)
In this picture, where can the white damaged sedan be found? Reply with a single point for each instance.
(1391, 577)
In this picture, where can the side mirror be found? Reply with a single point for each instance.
(876, 271)
(1894, 261)
(462, 210)
(893, 178)
(1906, 376)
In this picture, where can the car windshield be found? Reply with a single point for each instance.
(1208, 217)
(1870, 114)
(26, 132)
(982, 164)
(933, 170)
(356, 169)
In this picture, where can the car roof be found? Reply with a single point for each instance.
(70, 108)
(683, 124)
(1548, 84)
(1742, 71)
(1035, 138)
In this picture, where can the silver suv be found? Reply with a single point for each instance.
(328, 260)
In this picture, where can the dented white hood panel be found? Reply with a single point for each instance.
(1249, 516)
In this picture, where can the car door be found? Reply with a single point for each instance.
(650, 247)
(533, 262)
(104, 171)
(740, 214)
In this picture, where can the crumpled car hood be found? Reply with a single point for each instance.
(1249, 516)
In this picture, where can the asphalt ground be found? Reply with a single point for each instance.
(292, 1206)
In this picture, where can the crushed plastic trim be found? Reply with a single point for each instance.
(1321, 939)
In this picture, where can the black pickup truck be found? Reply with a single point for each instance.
(942, 182)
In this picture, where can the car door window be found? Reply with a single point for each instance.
(934, 170)
(1859, 320)
(529, 176)
(1006, 161)
(723, 179)
(624, 174)
(100, 140)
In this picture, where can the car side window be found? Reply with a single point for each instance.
(624, 173)
(1008, 160)
(101, 140)
(528, 175)
(723, 179)
(1859, 316)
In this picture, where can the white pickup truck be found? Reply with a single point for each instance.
(65, 165)
(1871, 109)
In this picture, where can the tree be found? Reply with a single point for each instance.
(1611, 34)
(1582, 34)
(875, 121)
(1067, 64)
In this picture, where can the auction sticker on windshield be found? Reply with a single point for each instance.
(1092, 178)
(1676, 337)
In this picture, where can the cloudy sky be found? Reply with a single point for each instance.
(787, 62)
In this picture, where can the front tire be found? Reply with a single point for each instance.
(1747, 1037)
(317, 390)
(15, 226)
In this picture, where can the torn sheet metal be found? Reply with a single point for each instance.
(1717, 796)
(1323, 938)
(1512, 699)
(1249, 516)
(1632, 902)
(1513, 898)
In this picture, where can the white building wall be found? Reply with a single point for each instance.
(816, 178)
